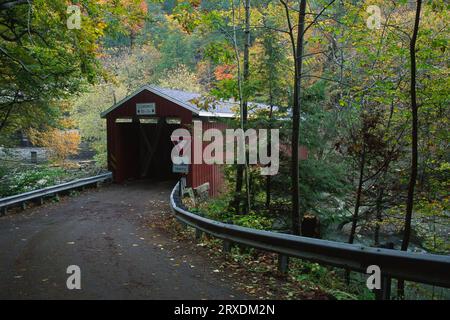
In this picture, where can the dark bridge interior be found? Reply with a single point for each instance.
(145, 148)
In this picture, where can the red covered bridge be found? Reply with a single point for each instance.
(139, 129)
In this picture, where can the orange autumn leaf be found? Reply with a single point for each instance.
(224, 72)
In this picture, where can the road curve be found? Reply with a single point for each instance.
(107, 232)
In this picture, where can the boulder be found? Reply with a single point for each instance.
(346, 228)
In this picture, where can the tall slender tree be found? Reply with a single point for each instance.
(242, 170)
(297, 48)
(414, 138)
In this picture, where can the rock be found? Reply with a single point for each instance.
(363, 210)
(331, 203)
(202, 192)
(388, 229)
(346, 228)
(280, 223)
(311, 226)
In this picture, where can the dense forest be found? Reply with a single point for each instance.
(362, 85)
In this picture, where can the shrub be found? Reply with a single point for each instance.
(62, 143)
(20, 181)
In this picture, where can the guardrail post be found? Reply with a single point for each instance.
(183, 225)
(226, 246)
(386, 281)
(23, 205)
(3, 211)
(198, 234)
(283, 263)
(384, 293)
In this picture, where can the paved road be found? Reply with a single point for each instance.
(106, 232)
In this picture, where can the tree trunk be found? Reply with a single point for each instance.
(269, 146)
(8, 111)
(246, 76)
(236, 204)
(379, 210)
(414, 151)
(296, 214)
(358, 195)
(246, 62)
(243, 169)
(5, 118)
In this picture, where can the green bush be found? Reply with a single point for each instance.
(253, 221)
(16, 181)
(218, 209)
(3, 172)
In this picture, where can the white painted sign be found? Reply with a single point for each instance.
(180, 165)
(145, 109)
(180, 168)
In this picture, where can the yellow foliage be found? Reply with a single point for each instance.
(67, 123)
(61, 143)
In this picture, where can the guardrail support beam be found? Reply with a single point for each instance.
(283, 263)
(386, 285)
(385, 292)
(198, 234)
(227, 246)
(41, 200)
(183, 225)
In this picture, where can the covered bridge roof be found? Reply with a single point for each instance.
(221, 109)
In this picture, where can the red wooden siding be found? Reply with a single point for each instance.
(202, 173)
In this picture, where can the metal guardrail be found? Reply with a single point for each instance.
(422, 268)
(22, 198)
